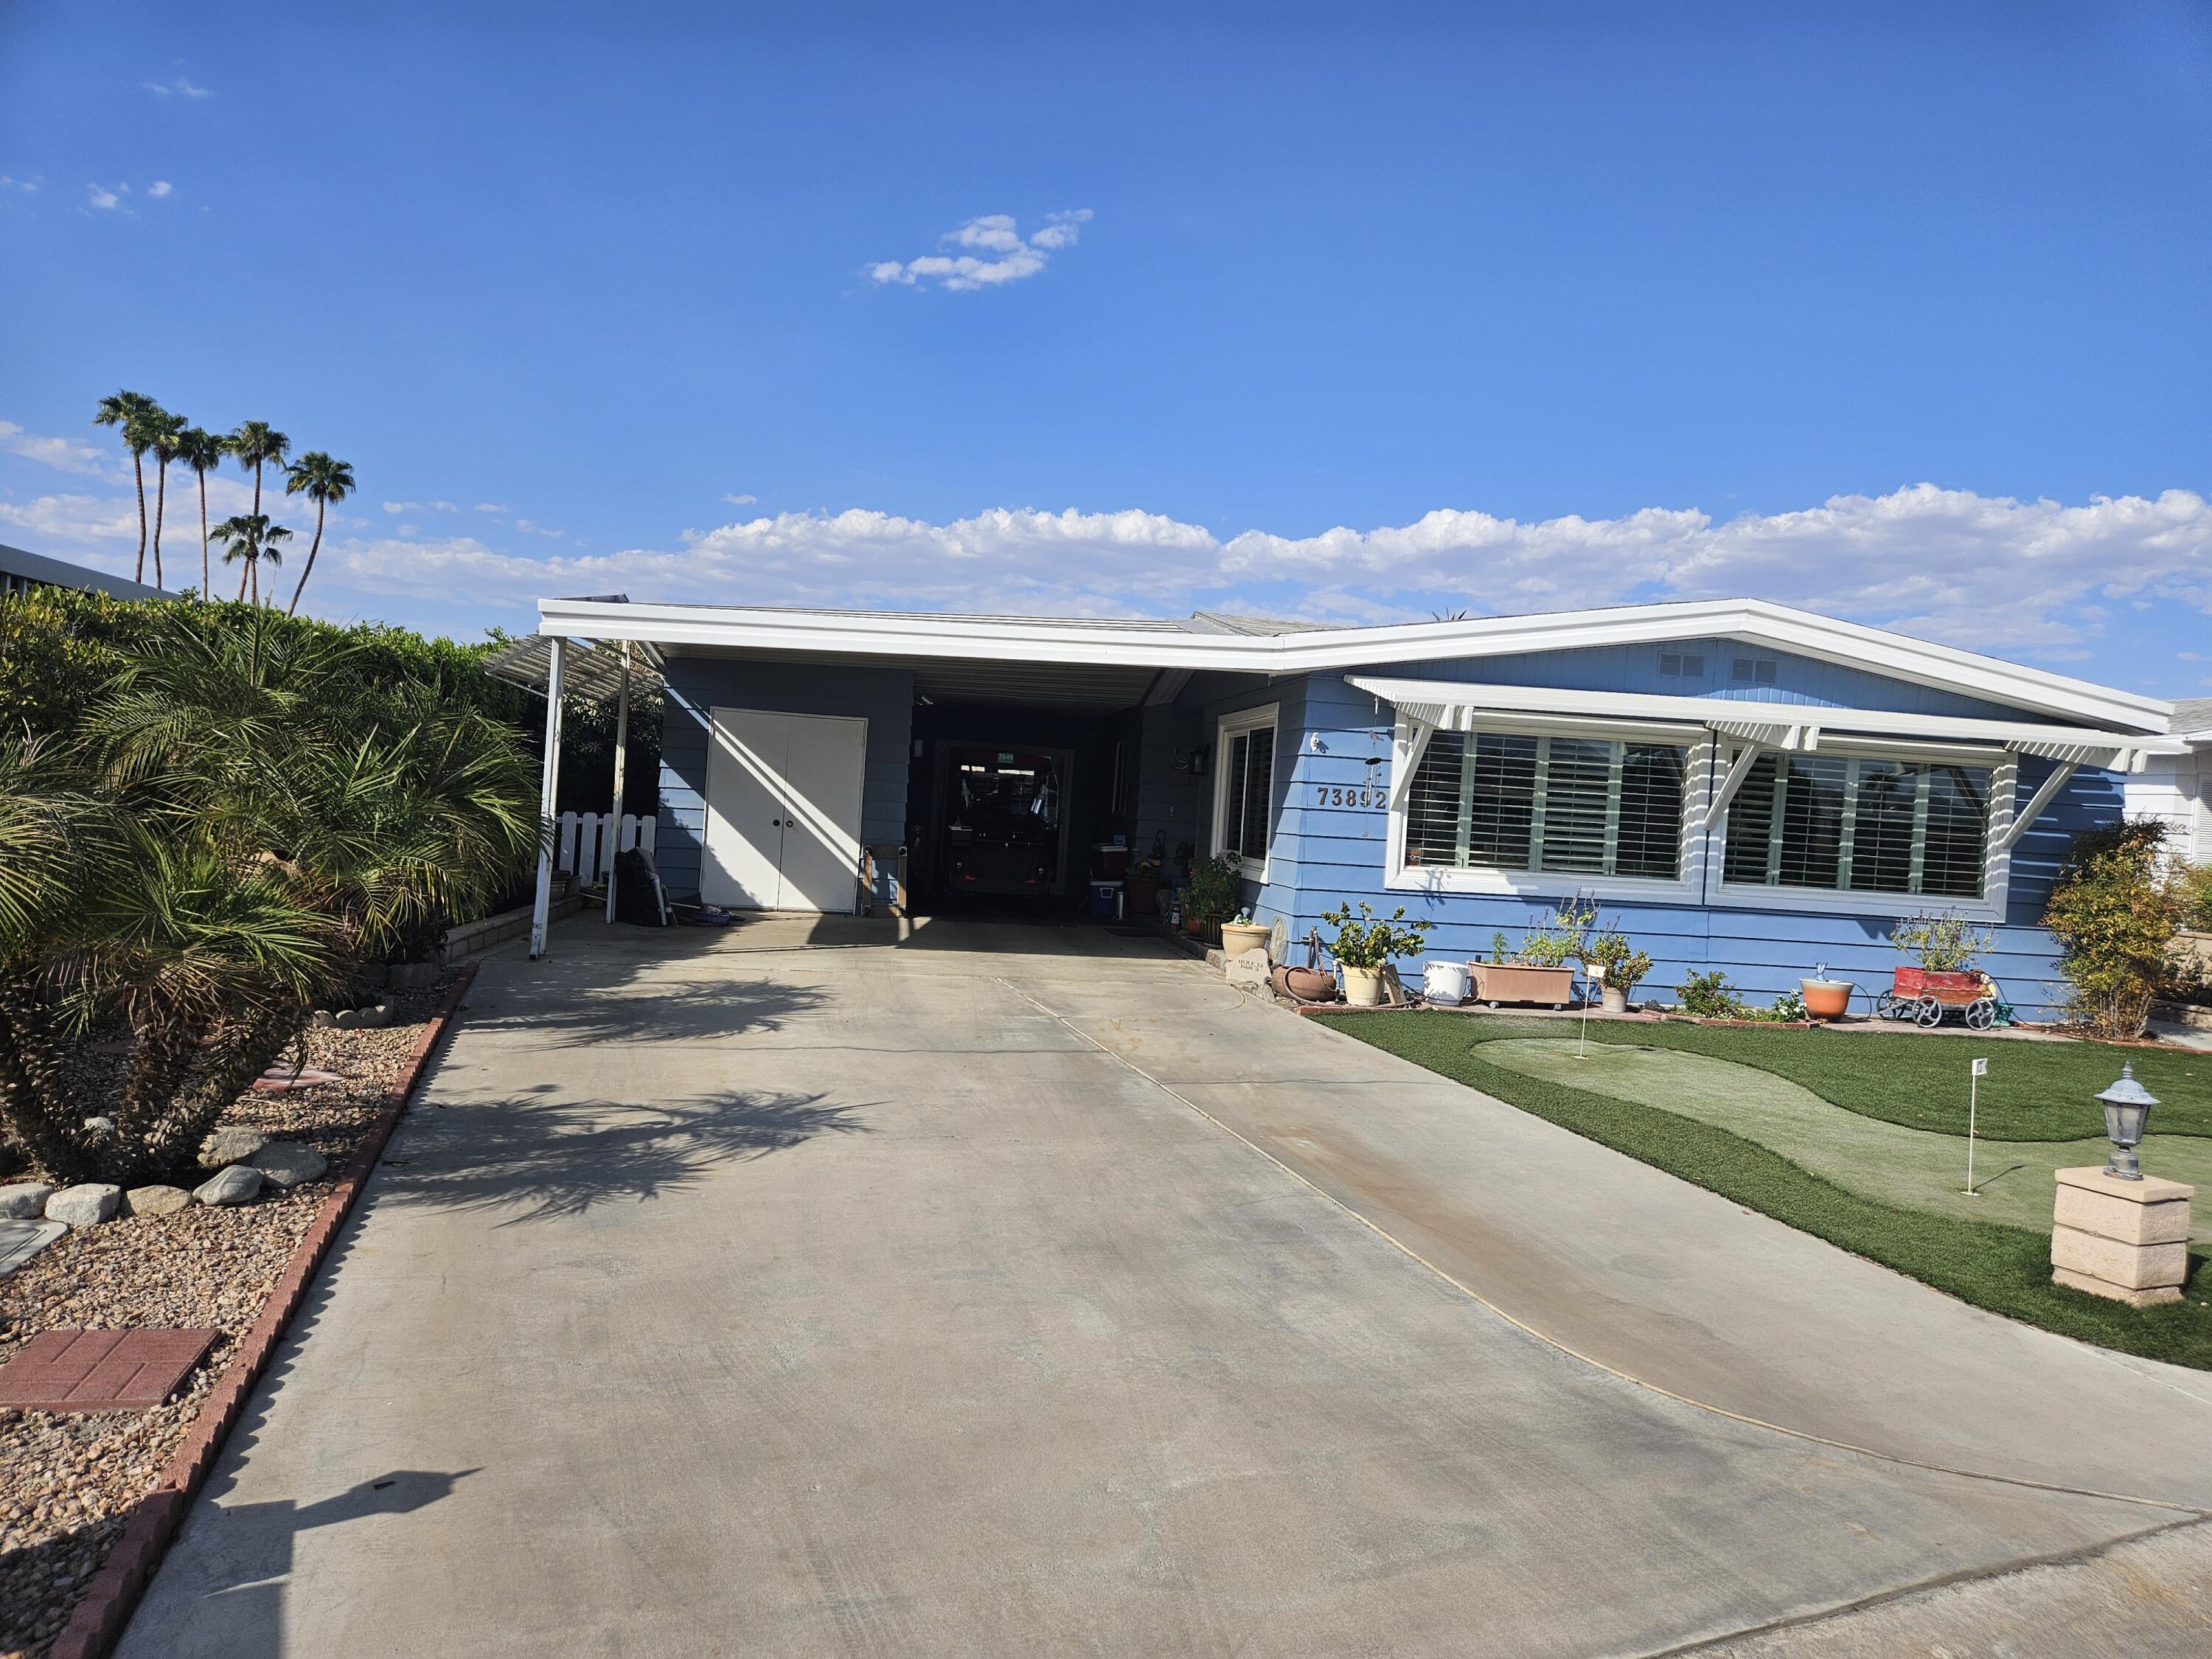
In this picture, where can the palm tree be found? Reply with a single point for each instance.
(203, 451)
(249, 536)
(163, 431)
(324, 480)
(254, 443)
(129, 410)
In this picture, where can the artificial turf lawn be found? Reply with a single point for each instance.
(2033, 1092)
(2004, 1269)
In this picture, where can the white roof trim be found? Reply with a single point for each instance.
(1456, 706)
(1755, 622)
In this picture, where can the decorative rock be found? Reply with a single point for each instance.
(322, 1019)
(24, 1200)
(156, 1201)
(1247, 972)
(239, 1184)
(228, 1146)
(286, 1163)
(86, 1205)
(376, 1018)
(346, 1019)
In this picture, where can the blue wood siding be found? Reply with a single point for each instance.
(884, 696)
(1333, 734)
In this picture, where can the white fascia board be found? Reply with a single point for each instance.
(1756, 621)
(1461, 701)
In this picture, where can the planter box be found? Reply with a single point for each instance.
(1922, 981)
(1497, 982)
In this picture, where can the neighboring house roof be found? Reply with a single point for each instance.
(1211, 641)
(19, 568)
(2192, 719)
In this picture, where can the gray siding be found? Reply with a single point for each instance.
(883, 697)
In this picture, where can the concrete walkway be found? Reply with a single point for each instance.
(800, 1290)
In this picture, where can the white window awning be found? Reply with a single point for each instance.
(1454, 706)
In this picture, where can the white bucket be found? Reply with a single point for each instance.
(1445, 982)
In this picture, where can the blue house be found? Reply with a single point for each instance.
(1736, 785)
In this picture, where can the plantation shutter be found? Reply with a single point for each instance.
(1858, 825)
(1579, 805)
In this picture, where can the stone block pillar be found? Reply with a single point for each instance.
(2128, 1240)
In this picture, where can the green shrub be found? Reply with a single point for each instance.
(1369, 940)
(1945, 942)
(1625, 966)
(1710, 996)
(1212, 894)
(1555, 941)
(2196, 885)
(2113, 910)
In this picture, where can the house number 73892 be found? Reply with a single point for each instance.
(1330, 795)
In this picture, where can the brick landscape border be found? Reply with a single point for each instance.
(97, 1624)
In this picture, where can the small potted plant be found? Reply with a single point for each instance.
(1243, 935)
(1624, 967)
(1210, 897)
(1538, 971)
(1366, 945)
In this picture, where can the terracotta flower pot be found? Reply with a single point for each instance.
(1306, 984)
(1143, 895)
(1826, 999)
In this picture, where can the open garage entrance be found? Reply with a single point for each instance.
(1018, 776)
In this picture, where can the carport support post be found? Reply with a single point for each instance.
(622, 764)
(548, 793)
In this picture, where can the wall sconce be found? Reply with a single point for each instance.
(1198, 761)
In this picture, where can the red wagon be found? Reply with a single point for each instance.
(1924, 997)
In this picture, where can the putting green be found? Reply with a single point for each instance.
(1885, 1162)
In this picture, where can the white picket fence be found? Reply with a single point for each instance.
(588, 842)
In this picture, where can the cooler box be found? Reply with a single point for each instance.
(1106, 899)
(1110, 861)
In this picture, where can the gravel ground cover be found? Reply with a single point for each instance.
(68, 1480)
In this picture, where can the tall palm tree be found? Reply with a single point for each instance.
(324, 480)
(129, 410)
(256, 443)
(250, 538)
(163, 432)
(203, 451)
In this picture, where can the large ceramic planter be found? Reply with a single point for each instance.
(1825, 998)
(1612, 999)
(1239, 937)
(1363, 986)
(1144, 895)
(1305, 984)
(1497, 982)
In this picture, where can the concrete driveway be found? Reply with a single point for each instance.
(808, 1289)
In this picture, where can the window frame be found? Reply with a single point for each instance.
(1226, 729)
(1698, 782)
(2003, 765)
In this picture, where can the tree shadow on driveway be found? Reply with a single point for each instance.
(547, 1158)
(612, 1003)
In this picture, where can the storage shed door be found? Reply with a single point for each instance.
(783, 810)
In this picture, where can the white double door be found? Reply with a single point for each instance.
(783, 810)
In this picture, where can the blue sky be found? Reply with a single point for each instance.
(1897, 312)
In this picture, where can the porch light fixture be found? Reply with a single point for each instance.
(2127, 1116)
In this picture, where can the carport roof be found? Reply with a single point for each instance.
(1258, 646)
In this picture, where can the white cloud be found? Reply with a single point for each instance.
(62, 454)
(179, 87)
(100, 197)
(492, 506)
(741, 501)
(1000, 255)
(529, 529)
(2051, 580)
(159, 187)
(7, 183)
(420, 506)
